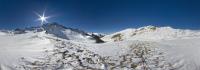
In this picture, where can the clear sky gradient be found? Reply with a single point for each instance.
(102, 15)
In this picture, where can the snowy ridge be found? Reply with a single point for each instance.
(59, 31)
(152, 33)
(63, 32)
(98, 34)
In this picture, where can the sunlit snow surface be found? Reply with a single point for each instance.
(183, 53)
(14, 47)
(141, 49)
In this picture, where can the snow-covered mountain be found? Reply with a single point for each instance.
(55, 47)
(61, 31)
(64, 32)
(98, 34)
(152, 33)
(58, 30)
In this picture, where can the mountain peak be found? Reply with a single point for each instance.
(150, 27)
(53, 25)
(60, 31)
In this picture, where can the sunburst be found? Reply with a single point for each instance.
(42, 18)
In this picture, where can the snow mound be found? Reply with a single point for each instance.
(152, 33)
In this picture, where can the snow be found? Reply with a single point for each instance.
(183, 53)
(150, 33)
(63, 32)
(2, 33)
(60, 48)
(117, 48)
(12, 48)
(181, 47)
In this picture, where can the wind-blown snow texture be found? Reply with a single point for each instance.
(55, 47)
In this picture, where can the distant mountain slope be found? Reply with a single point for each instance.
(61, 31)
(151, 33)
(64, 32)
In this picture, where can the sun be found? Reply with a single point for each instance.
(42, 18)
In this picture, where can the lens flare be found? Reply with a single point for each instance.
(42, 18)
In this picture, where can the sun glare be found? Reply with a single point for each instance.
(42, 18)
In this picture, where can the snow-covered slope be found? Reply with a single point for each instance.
(14, 48)
(183, 54)
(152, 33)
(59, 31)
(55, 47)
(63, 32)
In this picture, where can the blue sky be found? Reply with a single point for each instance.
(102, 15)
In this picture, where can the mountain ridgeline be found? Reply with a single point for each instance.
(62, 32)
(151, 33)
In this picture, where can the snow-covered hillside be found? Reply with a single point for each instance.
(183, 54)
(60, 31)
(152, 33)
(64, 32)
(13, 48)
(55, 47)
